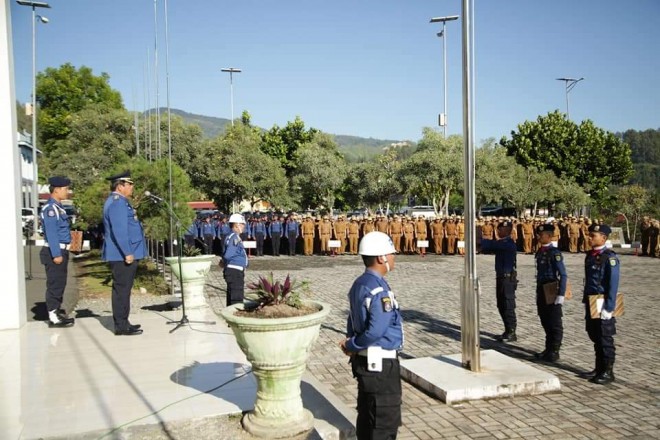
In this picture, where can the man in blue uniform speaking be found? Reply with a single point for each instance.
(55, 253)
(123, 247)
(374, 337)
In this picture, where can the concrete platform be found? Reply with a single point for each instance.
(85, 382)
(501, 376)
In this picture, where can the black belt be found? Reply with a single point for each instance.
(504, 275)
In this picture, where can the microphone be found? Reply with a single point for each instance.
(153, 197)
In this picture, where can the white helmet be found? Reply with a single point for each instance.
(376, 244)
(236, 218)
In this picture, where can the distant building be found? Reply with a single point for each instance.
(27, 169)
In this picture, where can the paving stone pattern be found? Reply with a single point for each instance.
(428, 293)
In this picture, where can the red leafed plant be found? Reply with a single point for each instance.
(272, 293)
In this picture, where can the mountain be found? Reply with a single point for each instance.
(355, 148)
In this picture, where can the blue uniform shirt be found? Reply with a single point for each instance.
(234, 252)
(276, 227)
(259, 228)
(602, 276)
(192, 230)
(550, 267)
(208, 228)
(292, 226)
(505, 251)
(56, 226)
(374, 318)
(123, 231)
(225, 230)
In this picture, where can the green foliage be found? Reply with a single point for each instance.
(233, 168)
(645, 147)
(632, 201)
(319, 173)
(284, 144)
(63, 91)
(271, 293)
(591, 156)
(435, 169)
(190, 251)
(99, 137)
(152, 176)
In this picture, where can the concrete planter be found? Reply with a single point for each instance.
(194, 270)
(278, 350)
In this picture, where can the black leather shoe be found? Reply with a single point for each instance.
(129, 332)
(134, 326)
(68, 322)
(542, 354)
(589, 374)
(551, 356)
(604, 377)
(508, 336)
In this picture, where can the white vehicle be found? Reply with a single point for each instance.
(419, 210)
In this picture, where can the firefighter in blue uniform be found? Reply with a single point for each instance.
(374, 333)
(506, 278)
(191, 233)
(54, 255)
(207, 230)
(259, 234)
(601, 278)
(223, 231)
(550, 269)
(123, 247)
(275, 233)
(292, 229)
(235, 261)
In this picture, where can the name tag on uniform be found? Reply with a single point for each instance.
(250, 244)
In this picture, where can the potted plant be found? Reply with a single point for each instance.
(276, 329)
(194, 267)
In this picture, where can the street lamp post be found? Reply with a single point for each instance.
(443, 35)
(570, 85)
(35, 170)
(231, 71)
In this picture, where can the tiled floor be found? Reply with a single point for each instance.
(61, 381)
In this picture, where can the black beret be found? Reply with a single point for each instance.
(59, 181)
(603, 229)
(123, 176)
(505, 224)
(545, 227)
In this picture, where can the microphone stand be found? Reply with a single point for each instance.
(177, 226)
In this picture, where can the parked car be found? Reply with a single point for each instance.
(27, 214)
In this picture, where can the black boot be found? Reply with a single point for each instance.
(605, 376)
(509, 335)
(553, 354)
(542, 354)
(596, 371)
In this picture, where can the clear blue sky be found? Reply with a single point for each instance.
(363, 67)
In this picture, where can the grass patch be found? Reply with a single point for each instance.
(95, 277)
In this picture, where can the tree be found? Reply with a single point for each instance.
(232, 168)
(591, 156)
(99, 138)
(152, 176)
(319, 173)
(435, 169)
(631, 201)
(283, 144)
(63, 91)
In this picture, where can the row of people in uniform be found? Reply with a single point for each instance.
(312, 235)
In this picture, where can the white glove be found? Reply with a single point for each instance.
(605, 315)
(559, 300)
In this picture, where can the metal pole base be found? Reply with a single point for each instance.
(185, 321)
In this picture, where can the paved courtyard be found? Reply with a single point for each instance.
(428, 293)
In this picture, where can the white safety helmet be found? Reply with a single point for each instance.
(376, 244)
(236, 218)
